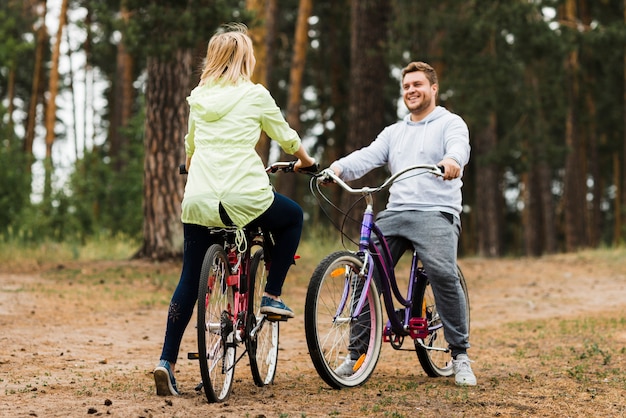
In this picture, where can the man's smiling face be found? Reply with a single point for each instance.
(418, 94)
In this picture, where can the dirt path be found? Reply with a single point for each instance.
(549, 338)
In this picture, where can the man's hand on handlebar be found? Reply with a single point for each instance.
(451, 169)
(324, 176)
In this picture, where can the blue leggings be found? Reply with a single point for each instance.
(283, 219)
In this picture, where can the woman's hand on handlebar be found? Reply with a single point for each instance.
(307, 165)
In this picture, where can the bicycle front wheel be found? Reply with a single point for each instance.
(331, 332)
(216, 336)
(262, 338)
(433, 355)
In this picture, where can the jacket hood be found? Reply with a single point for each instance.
(437, 113)
(212, 101)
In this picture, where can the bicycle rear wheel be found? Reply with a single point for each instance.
(435, 357)
(216, 334)
(330, 335)
(262, 339)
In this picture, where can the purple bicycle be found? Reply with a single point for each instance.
(343, 306)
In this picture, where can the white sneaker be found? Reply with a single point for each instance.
(346, 369)
(463, 374)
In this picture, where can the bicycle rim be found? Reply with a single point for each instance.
(328, 335)
(263, 344)
(433, 359)
(215, 326)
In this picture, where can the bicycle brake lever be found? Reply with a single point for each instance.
(324, 176)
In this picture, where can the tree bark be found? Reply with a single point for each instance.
(51, 106)
(621, 215)
(574, 181)
(368, 75)
(488, 190)
(35, 95)
(287, 184)
(263, 35)
(166, 125)
(123, 98)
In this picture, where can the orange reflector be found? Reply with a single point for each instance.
(337, 272)
(359, 363)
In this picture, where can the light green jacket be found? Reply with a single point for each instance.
(225, 123)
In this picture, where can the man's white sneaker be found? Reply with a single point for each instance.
(463, 374)
(346, 369)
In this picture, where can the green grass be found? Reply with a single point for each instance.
(19, 255)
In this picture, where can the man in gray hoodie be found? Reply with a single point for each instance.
(423, 211)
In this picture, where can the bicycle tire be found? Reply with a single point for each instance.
(328, 337)
(436, 363)
(263, 345)
(215, 326)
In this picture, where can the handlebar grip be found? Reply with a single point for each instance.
(182, 169)
(442, 169)
(310, 169)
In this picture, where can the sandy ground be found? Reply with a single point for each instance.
(548, 335)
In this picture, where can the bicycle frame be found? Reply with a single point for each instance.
(379, 257)
(239, 263)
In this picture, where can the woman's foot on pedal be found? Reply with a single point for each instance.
(275, 306)
(164, 379)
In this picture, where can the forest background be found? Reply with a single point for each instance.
(541, 84)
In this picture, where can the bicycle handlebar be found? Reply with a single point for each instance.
(328, 175)
(284, 166)
(288, 167)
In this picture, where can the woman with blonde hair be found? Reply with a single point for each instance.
(227, 183)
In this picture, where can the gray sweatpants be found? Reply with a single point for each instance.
(435, 236)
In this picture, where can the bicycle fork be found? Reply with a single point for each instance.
(352, 284)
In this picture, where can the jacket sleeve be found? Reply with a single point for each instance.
(360, 162)
(190, 145)
(273, 123)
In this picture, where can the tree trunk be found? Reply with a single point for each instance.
(574, 181)
(166, 125)
(489, 194)
(547, 208)
(263, 37)
(368, 75)
(89, 85)
(488, 216)
(42, 39)
(538, 213)
(123, 98)
(620, 216)
(11, 98)
(53, 90)
(287, 184)
(617, 181)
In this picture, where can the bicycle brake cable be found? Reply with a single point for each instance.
(346, 216)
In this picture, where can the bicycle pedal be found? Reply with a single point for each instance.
(275, 317)
(418, 328)
(193, 356)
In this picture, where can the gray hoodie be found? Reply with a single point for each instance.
(440, 135)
